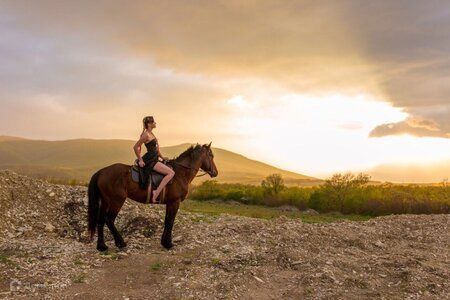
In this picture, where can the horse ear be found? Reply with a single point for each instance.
(209, 145)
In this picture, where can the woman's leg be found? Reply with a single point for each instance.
(163, 169)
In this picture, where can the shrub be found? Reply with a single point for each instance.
(345, 193)
(273, 185)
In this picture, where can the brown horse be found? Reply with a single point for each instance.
(109, 187)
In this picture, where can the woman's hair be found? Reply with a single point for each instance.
(146, 120)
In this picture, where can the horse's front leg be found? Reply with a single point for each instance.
(171, 212)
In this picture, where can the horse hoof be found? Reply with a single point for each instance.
(121, 245)
(167, 245)
(102, 248)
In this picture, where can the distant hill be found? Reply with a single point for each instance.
(412, 173)
(78, 159)
(10, 138)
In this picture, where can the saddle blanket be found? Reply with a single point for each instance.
(155, 178)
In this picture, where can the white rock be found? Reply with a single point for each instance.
(379, 244)
(49, 227)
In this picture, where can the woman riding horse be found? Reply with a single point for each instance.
(150, 159)
(110, 186)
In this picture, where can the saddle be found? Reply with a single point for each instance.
(155, 178)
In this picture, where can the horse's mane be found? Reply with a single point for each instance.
(193, 152)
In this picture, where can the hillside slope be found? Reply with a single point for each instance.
(80, 158)
(44, 253)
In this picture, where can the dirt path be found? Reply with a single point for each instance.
(136, 277)
(130, 277)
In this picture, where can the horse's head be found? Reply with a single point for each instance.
(207, 159)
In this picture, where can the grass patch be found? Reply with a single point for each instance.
(81, 278)
(148, 232)
(115, 256)
(262, 212)
(155, 266)
(4, 259)
(215, 261)
(199, 219)
(78, 262)
(110, 254)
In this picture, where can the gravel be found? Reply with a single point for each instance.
(44, 252)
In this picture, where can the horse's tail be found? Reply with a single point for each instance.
(93, 204)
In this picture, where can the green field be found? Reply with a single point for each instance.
(256, 211)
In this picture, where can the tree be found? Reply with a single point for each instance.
(340, 185)
(273, 184)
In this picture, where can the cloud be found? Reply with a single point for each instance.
(112, 53)
(413, 126)
(301, 45)
(69, 85)
(408, 43)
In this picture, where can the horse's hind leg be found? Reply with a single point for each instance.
(118, 240)
(171, 212)
(101, 246)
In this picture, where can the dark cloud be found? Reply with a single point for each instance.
(299, 44)
(409, 43)
(394, 49)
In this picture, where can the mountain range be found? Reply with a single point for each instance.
(78, 159)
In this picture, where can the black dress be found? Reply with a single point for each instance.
(150, 159)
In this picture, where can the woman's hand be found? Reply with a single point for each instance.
(141, 163)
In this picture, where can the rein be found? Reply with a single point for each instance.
(187, 167)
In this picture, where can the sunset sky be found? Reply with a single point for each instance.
(313, 87)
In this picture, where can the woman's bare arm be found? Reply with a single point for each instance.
(137, 146)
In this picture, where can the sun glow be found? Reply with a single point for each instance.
(313, 133)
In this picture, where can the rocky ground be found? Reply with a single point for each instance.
(44, 253)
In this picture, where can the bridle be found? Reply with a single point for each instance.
(187, 167)
(196, 169)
